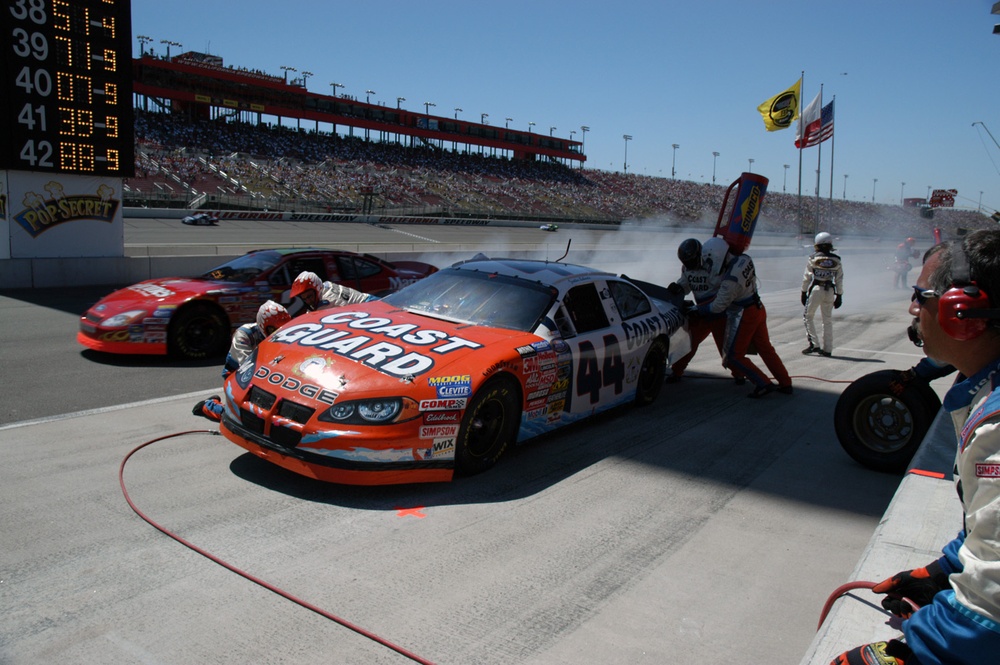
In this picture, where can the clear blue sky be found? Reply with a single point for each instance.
(910, 78)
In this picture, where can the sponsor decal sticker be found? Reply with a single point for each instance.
(438, 431)
(984, 470)
(443, 404)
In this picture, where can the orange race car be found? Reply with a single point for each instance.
(444, 375)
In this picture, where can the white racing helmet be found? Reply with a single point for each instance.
(713, 254)
(823, 238)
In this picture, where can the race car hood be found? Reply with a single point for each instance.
(371, 349)
(152, 293)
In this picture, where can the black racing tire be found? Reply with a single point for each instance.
(489, 426)
(199, 330)
(652, 374)
(880, 429)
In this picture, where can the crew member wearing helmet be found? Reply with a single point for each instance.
(901, 265)
(746, 318)
(822, 289)
(270, 317)
(306, 294)
(309, 293)
(703, 284)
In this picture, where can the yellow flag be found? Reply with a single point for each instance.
(780, 111)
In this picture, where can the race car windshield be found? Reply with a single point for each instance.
(478, 298)
(244, 268)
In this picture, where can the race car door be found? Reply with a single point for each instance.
(604, 366)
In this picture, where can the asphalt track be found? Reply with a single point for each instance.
(705, 528)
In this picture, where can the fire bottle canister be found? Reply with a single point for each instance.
(737, 227)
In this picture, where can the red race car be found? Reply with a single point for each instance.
(446, 374)
(193, 317)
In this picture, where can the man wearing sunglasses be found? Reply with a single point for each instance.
(951, 606)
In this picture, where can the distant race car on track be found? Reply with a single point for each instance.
(194, 317)
(445, 375)
(549, 227)
(201, 219)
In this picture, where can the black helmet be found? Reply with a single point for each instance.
(689, 252)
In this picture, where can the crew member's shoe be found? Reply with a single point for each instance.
(202, 409)
(673, 378)
(811, 349)
(823, 353)
(785, 390)
(739, 380)
(760, 391)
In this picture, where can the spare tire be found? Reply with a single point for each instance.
(881, 427)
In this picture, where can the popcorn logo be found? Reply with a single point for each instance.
(41, 214)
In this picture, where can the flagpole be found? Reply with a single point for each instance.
(802, 78)
(819, 159)
(833, 113)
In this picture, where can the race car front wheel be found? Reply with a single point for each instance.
(880, 425)
(488, 427)
(198, 331)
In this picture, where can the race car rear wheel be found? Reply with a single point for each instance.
(880, 428)
(488, 427)
(652, 374)
(198, 331)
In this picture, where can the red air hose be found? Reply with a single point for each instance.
(851, 586)
(241, 573)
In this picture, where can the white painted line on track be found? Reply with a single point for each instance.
(202, 394)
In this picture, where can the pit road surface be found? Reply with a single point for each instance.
(707, 527)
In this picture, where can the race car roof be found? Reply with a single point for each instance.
(547, 272)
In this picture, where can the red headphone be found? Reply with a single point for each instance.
(963, 310)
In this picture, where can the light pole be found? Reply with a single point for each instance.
(143, 40)
(334, 87)
(750, 168)
(845, 186)
(169, 44)
(785, 180)
(399, 100)
(457, 111)
(530, 125)
(673, 164)
(305, 77)
(627, 139)
(874, 180)
(427, 106)
(482, 118)
(506, 122)
(901, 186)
(368, 96)
(287, 69)
(583, 142)
(980, 201)
(551, 129)
(715, 156)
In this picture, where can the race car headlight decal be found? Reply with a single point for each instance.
(379, 411)
(245, 373)
(123, 319)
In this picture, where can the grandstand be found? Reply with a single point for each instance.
(205, 142)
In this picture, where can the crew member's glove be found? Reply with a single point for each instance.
(838, 301)
(918, 586)
(805, 296)
(675, 289)
(892, 652)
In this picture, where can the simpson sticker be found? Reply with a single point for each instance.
(987, 470)
(438, 431)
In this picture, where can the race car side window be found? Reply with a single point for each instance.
(314, 264)
(629, 300)
(585, 309)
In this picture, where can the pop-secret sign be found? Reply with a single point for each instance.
(59, 215)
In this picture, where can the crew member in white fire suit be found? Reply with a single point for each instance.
(270, 317)
(957, 307)
(746, 318)
(822, 289)
(703, 284)
(309, 293)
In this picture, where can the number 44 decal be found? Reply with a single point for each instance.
(590, 378)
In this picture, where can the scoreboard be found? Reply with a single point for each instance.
(67, 87)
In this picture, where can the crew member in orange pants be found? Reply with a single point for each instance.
(746, 319)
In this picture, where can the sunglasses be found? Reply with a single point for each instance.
(921, 295)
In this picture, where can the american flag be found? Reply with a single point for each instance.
(819, 129)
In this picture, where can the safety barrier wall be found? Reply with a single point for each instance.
(923, 516)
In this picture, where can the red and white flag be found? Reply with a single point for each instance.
(816, 123)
